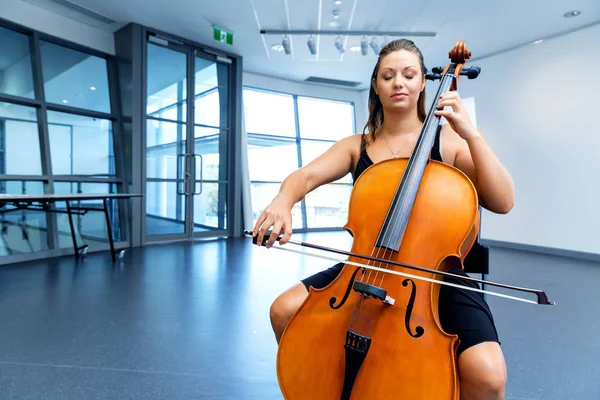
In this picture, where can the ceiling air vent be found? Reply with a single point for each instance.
(336, 82)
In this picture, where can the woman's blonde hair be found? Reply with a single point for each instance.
(375, 107)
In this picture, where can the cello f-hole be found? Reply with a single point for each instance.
(419, 331)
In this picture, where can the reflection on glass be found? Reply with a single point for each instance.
(22, 231)
(81, 145)
(210, 206)
(165, 149)
(271, 159)
(269, 113)
(74, 78)
(327, 206)
(312, 149)
(325, 119)
(91, 227)
(211, 144)
(262, 194)
(19, 140)
(165, 208)
(211, 93)
(166, 83)
(16, 76)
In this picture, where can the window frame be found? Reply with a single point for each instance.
(298, 141)
(39, 103)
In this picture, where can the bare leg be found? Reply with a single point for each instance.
(285, 306)
(482, 372)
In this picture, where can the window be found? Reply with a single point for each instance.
(322, 123)
(16, 76)
(22, 231)
(277, 146)
(18, 125)
(91, 226)
(80, 145)
(74, 78)
(56, 136)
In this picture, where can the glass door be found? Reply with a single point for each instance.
(187, 184)
(166, 142)
(210, 145)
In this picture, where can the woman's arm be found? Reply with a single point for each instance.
(491, 179)
(330, 166)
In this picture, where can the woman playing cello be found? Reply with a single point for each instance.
(396, 115)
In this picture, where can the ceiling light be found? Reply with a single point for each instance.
(364, 46)
(571, 14)
(336, 14)
(538, 41)
(92, 88)
(277, 47)
(285, 42)
(375, 45)
(311, 45)
(65, 101)
(354, 49)
(335, 24)
(337, 2)
(338, 44)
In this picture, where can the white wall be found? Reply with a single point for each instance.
(37, 18)
(537, 107)
(310, 89)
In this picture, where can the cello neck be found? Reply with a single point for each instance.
(395, 223)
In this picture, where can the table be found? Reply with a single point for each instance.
(43, 202)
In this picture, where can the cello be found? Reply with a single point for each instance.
(374, 332)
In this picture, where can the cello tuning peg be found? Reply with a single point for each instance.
(433, 76)
(471, 73)
(437, 70)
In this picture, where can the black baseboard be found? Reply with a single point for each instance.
(542, 249)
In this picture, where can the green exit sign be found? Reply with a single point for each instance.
(223, 36)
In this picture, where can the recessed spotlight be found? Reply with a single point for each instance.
(65, 101)
(277, 47)
(354, 49)
(336, 14)
(92, 87)
(571, 14)
(337, 2)
(335, 24)
(538, 41)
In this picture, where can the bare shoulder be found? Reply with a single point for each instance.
(352, 145)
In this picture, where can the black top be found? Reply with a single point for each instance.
(365, 161)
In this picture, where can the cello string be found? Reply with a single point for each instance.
(394, 272)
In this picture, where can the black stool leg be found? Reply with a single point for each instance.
(75, 248)
(109, 228)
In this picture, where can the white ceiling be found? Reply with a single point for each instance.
(487, 27)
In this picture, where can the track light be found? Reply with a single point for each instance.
(285, 42)
(364, 47)
(338, 44)
(375, 45)
(311, 45)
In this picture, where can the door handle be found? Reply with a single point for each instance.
(201, 162)
(187, 177)
(179, 192)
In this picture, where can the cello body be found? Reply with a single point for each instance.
(409, 356)
(376, 335)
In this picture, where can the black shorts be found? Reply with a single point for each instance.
(462, 312)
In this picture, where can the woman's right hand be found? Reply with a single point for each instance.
(277, 215)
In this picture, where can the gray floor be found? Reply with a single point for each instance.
(191, 322)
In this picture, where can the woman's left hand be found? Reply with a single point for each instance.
(457, 115)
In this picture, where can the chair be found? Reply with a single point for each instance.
(478, 259)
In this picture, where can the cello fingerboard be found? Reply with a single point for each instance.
(396, 221)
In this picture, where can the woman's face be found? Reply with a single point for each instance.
(399, 81)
